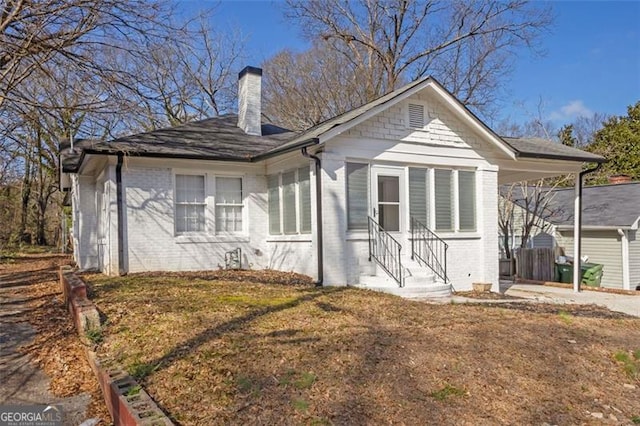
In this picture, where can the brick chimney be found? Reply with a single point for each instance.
(616, 179)
(250, 100)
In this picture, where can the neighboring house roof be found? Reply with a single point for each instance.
(603, 206)
(542, 148)
(219, 138)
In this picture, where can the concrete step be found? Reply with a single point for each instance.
(436, 290)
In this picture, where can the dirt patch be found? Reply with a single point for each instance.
(587, 311)
(56, 348)
(221, 352)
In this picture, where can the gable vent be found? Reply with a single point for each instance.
(416, 116)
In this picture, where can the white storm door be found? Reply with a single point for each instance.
(387, 197)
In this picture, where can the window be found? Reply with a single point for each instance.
(190, 203)
(357, 195)
(444, 199)
(419, 194)
(290, 202)
(416, 116)
(273, 185)
(304, 185)
(467, 200)
(228, 204)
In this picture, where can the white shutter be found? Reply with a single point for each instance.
(467, 200)
(416, 116)
(304, 197)
(444, 200)
(357, 195)
(418, 195)
(289, 202)
(274, 204)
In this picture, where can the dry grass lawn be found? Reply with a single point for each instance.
(215, 351)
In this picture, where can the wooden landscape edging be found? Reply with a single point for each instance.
(127, 402)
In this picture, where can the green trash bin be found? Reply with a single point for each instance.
(591, 274)
(565, 272)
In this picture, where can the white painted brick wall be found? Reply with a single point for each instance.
(85, 223)
(152, 245)
(249, 103)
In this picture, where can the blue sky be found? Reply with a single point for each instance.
(592, 60)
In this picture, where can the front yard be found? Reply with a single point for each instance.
(212, 351)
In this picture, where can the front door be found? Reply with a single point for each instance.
(387, 197)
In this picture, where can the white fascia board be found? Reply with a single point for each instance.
(445, 97)
(473, 121)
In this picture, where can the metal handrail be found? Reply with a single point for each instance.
(386, 251)
(429, 249)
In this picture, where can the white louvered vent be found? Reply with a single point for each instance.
(416, 116)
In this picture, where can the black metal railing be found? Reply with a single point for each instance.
(386, 251)
(429, 249)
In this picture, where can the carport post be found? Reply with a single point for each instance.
(577, 220)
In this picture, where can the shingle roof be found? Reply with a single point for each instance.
(542, 148)
(217, 138)
(602, 205)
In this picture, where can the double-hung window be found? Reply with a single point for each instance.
(228, 204)
(289, 203)
(193, 193)
(190, 203)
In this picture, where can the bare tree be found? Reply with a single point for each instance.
(523, 208)
(468, 45)
(304, 89)
(36, 35)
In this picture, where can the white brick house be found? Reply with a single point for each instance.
(337, 202)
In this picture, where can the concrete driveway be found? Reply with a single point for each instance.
(615, 302)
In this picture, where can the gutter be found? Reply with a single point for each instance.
(577, 233)
(119, 203)
(319, 254)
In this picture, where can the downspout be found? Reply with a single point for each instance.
(577, 230)
(318, 171)
(120, 214)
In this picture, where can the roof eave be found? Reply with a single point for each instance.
(279, 151)
(595, 227)
(521, 154)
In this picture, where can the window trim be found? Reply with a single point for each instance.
(216, 204)
(299, 233)
(205, 204)
(210, 202)
(455, 231)
(346, 193)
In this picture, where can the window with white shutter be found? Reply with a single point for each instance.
(304, 195)
(273, 188)
(290, 202)
(419, 194)
(443, 191)
(467, 200)
(357, 195)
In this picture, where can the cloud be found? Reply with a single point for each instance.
(571, 111)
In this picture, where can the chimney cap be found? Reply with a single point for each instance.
(250, 70)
